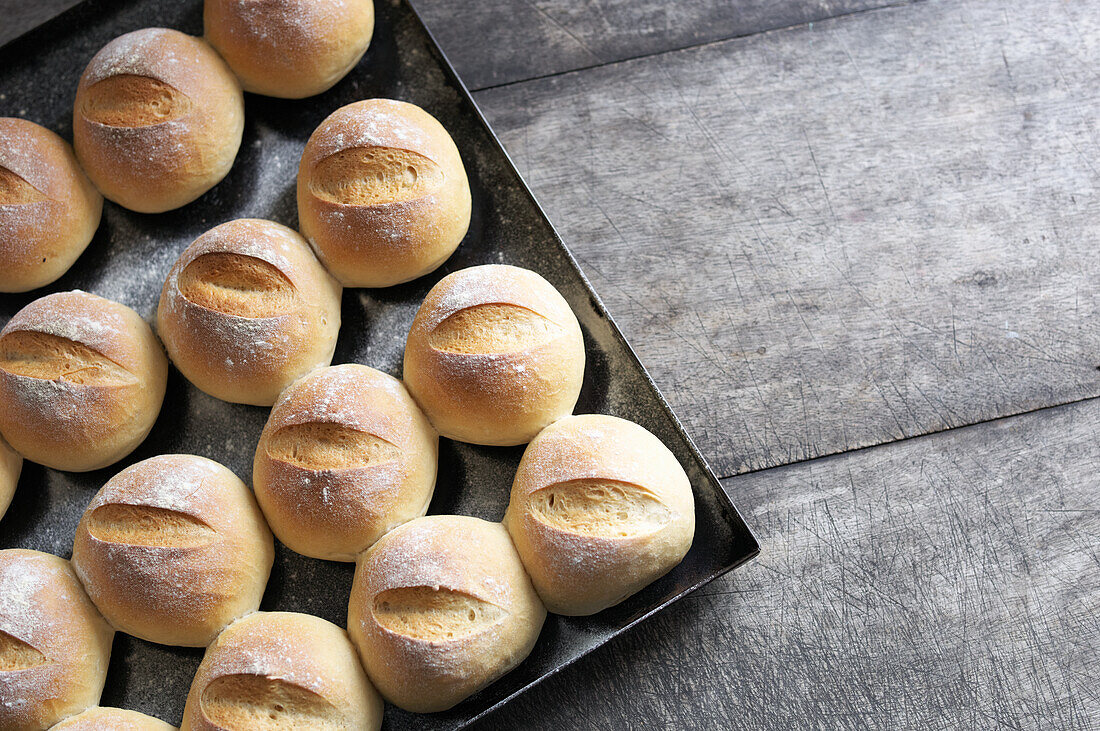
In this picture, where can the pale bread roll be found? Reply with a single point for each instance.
(158, 119)
(441, 607)
(494, 354)
(82, 380)
(382, 193)
(345, 456)
(289, 48)
(112, 719)
(54, 645)
(272, 671)
(247, 309)
(172, 549)
(49, 210)
(11, 464)
(600, 508)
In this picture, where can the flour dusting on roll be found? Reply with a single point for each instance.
(289, 48)
(494, 354)
(112, 719)
(345, 456)
(172, 549)
(158, 119)
(600, 508)
(49, 210)
(382, 193)
(54, 645)
(82, 380)
(247, 309)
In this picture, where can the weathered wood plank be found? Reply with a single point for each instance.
(503, 41)
(949, 581)
(830, 237)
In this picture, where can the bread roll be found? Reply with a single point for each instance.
(494, 355)
(49, 210)
(441, 607)
(382, 193)
(54, 646)
(345, 456)
(289, 48)
(158, 119)
(11, 464)
(82, 380)
(600, 508)
(112, 719)
(172, 549)
(247, 309)
(278, 670)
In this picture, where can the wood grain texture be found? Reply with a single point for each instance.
(949, 581)
(830, 237)
(502, 41)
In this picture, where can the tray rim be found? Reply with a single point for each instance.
(725, 503)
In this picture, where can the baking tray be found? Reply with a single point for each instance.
(132, 253)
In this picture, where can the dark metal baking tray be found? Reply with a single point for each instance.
(132, 252)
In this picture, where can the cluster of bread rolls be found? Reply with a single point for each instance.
(176, 549)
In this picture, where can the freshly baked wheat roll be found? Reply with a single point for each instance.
(112, 719)
(247, 309)
(11, 464)
(382, 193)
(345, 456)
(272, 671)
(172, 549)
(158, 119)
(54, 645)
(49, 210)
(82, 380)
(441, 607)
(494, 355)
(289, 48)
(600, 508)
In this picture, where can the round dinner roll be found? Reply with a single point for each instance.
(494, 355)
(172, 549)
(112, 719)
(157, 120)
(345, 456)
(54, 645)
(272, 671)
(441, 607)
(49, 210)
(82, 380)
(11, 464)
(382, 193)
(289, 48)
(247, 309)
(600, 508)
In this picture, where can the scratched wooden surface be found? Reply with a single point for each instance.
(824, 238)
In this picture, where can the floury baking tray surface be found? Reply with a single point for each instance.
(132, 253)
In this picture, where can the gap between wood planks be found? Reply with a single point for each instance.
(692, 46)
(899, 440)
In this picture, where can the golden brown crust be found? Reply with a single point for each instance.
(289, 48)
(82, 380)
(494, 354)
(382, 193)
(49, 210)
(279, 670)
(54, 645)
(345, 456)
(441, 607)
(157, 120)
(11, 464)
(172, 549)
(600, 508)
(112, 719)
(247, 309)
